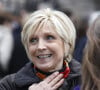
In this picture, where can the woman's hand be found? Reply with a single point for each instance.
(52, 82)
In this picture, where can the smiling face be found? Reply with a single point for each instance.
(46, 49)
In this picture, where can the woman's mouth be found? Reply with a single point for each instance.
(44, 56)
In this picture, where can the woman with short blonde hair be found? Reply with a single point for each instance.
(49, 38)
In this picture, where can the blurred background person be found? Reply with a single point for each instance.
(91, 59)
(19, 57)
(12, 53)
(81, 29)
(6, 44)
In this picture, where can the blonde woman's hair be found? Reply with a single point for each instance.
(60, 21)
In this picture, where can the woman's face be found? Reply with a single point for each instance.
(46, 49)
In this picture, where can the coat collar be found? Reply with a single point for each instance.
(75, 67)
(26, 76)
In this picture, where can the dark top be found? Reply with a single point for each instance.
(19, 57)
(79, 48)
(26, 77)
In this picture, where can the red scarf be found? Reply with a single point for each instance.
(65, 71)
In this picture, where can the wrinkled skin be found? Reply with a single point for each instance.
(52, 82)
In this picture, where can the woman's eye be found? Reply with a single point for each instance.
(50, 37)
(33, 40)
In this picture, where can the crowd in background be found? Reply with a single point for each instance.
(12, 53)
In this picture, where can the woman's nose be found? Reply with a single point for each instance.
(41, 45)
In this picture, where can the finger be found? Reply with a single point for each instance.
(58, 84)
(32, 86)
(51, 77)
(56, 80)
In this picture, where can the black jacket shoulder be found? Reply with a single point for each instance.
(26, 77)
(7, 83)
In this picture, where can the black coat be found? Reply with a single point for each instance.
(26, 77)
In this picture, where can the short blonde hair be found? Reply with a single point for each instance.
(60, 21)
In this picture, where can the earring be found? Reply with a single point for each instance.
(69, 57)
